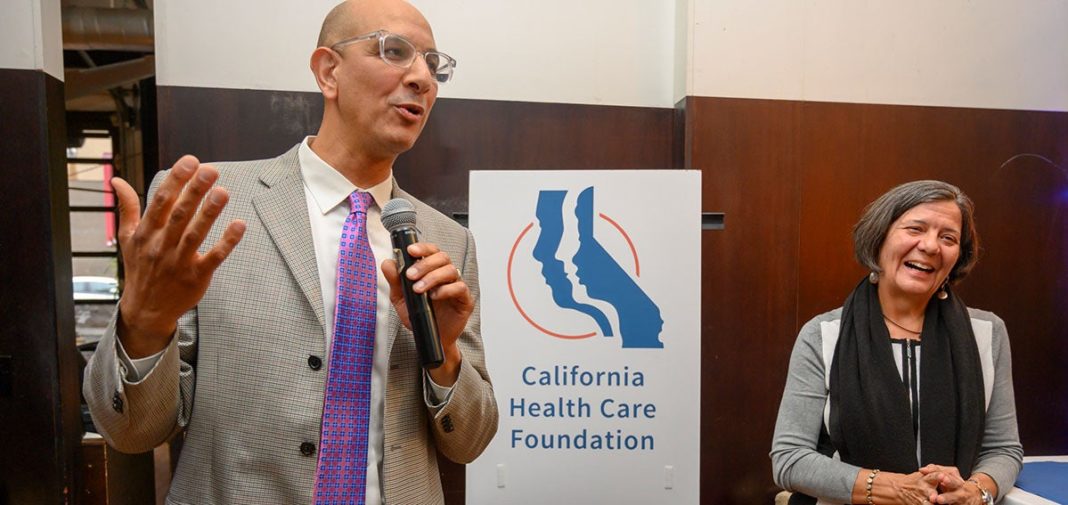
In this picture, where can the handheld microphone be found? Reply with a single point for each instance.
(398, 216)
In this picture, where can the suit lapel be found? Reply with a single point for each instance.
(284, 212)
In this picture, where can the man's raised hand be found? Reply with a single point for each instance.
(165, 274)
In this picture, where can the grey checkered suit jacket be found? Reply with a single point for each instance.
(238, 379)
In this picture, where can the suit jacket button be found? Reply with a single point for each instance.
(315, 362)
(307, 448)
(446, 424)
(116, 402)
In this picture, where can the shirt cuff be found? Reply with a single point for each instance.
(136, 370)
(436, 396)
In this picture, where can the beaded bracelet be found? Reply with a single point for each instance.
(867, 490)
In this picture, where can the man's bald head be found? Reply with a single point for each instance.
(352, 17)
(373, 107)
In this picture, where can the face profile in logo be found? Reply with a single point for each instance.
(640, 321)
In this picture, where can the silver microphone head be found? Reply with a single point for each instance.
(398, 213)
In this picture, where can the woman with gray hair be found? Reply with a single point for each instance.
(904, 394)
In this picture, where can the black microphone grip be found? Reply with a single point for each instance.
(420, 310)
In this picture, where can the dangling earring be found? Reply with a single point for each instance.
(873, 277)
(942, 293)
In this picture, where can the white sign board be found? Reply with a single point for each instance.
(591, 315)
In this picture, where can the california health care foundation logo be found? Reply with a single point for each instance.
(638, 319)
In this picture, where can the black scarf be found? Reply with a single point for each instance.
(871, 423)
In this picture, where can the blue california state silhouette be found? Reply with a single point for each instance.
(639, 318)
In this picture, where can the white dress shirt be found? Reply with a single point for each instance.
(327, 194)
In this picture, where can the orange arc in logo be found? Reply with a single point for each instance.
(515, 300)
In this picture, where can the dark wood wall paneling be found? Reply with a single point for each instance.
(748, 152)
(1014, 165)
(791, 177)
(231, 124)
(461, 135)
(40, 420)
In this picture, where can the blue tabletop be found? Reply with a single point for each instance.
(1046, 479)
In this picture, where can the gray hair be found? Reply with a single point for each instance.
(870, 232)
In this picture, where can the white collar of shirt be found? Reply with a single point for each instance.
(328, 187)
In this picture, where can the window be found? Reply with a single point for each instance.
(93, 245)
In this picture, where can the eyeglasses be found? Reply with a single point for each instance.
(400, 52)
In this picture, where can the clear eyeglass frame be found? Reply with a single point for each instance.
(401, 52)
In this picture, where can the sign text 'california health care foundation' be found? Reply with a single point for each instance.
(590, 296)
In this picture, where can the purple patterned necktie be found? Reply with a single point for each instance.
(341, 475)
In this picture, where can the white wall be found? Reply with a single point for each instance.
(684, 30)
(244, 44)
(965, 53)
(31, 36)
(617, 52)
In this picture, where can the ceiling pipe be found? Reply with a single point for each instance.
(91, 28)
(82, 82)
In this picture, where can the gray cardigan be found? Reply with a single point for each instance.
(796, 464)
